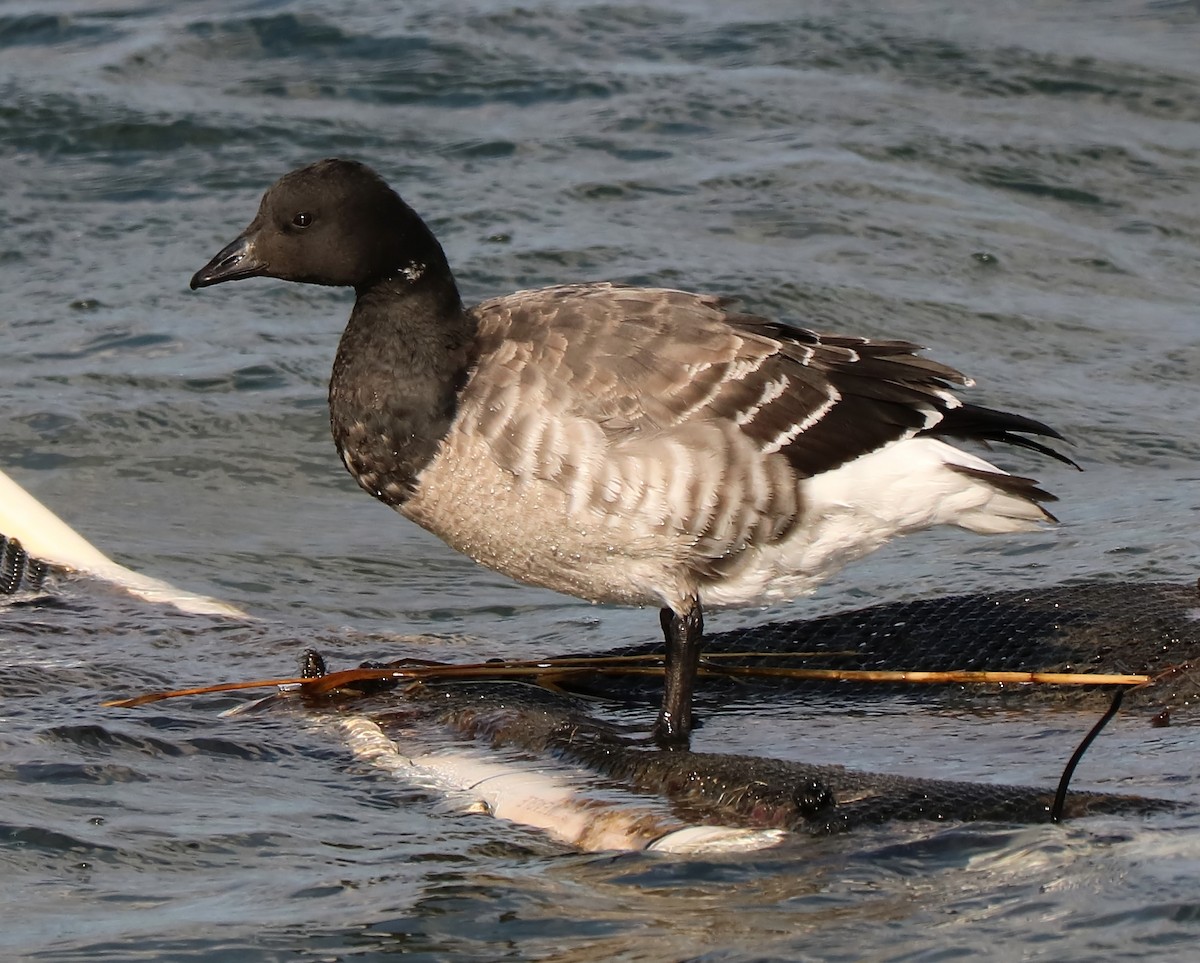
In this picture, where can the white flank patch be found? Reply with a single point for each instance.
(909, 485)
(899, 489)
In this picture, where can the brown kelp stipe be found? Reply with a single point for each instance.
(549, 672)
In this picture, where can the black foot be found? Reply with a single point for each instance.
(665, 737)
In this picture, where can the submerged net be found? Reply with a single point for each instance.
(750, 790)
(1089, 627)
(1084, 627)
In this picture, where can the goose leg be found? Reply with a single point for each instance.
(684, 635)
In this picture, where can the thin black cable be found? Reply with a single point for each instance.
(1060, 797)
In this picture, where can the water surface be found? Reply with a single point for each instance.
(1013, 185)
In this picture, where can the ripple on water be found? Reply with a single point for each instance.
(1016, 191)
(53, 30)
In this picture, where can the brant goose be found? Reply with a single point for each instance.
(627, 445)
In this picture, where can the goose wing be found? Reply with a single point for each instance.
(677, 408)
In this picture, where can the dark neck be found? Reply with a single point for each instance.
(403, 359)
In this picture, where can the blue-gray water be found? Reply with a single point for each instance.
(1013, 184)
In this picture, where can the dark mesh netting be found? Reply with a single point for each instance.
(1105, 628)
(816, 799)
(1086, 627)
(18, 572)
(1089, 627)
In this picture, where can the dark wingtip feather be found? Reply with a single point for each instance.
(977, 423)
(1019, 485)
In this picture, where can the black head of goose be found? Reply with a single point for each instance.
(628, 445)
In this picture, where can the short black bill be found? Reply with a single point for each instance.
(231, 263)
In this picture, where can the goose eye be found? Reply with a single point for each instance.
(303, 219)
